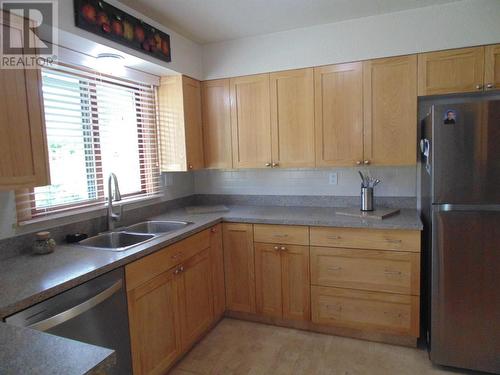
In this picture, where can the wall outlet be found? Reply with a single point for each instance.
(333, 180)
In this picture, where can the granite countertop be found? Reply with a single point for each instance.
(26, 351)
(29, 279)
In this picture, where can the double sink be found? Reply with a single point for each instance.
(133, 235)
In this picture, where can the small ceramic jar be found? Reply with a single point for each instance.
(43, 243)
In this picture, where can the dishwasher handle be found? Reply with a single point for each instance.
(46, 324)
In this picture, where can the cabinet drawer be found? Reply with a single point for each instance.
(381, 312)
(382, 271)
(152, 265)
(281, 234)
(361, 238)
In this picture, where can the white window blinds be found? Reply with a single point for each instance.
(95, 125)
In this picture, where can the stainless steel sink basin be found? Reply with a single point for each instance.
(116, 241)
(156, 227)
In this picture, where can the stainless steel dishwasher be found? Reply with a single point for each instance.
(94, 312)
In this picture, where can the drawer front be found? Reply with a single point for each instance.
(380, 312)
(281, 234)
(361, 238)
(380, 271)
(152, 265)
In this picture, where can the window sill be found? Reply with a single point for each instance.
(79, 214)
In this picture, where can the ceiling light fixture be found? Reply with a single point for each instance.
(110, 63)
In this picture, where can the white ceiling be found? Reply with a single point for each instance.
(207, 21)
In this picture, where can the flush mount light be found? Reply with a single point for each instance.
(110, 63)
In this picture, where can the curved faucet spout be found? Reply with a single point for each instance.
(113, 195)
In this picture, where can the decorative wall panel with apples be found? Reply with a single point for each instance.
(105, 20)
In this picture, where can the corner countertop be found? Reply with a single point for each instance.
(28, 279)
(26, 351)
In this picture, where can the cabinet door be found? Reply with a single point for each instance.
(452, 71)
(268, 279)
(492, 67)
(192, 122)
(239, 267)
(251, 121)
(154, 324)
(296, 283)
(217, 260)
(216, 112)
(390, 111)
(196, 298)
(338, 91)
(292, 118)
(23, 145)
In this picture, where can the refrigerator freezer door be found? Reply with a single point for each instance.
(465, 323)
(466, 153)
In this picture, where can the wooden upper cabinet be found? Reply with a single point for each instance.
(23, 145)
(390, 111)
(239, 267)
(492, 67)
(216, 111)
(181, 141)
(251, 121)
(452, 71)
(338, 93)
(292, 118)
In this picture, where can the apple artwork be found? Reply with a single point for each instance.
(128, 30)
(139, 33)
(117, 27)
(164, 47)
(89, 13)
(102, 19)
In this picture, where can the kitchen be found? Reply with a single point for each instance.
(231, 187)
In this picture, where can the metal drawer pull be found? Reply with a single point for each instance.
(283, 248)
(398, 273)
(280, 235)
(334, 237)
(336, 268)
(276, 248)
(73, 312)
(394, 241)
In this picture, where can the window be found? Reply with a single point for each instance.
(95, 125)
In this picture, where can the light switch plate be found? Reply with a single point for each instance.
(333, 179)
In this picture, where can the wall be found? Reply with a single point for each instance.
(186, 54)
(177, 185)
(396, 182)
(452, 25)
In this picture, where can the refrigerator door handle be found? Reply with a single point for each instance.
(467, 207)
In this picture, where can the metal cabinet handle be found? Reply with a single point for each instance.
(275, 165)
(283, 248)
(213, 230)
(479, 87)
(490, 86)
(334, 237)
(366, 162)
(276, 248)
(393, 241)
(398, 273)
(268, 164)
(190, 166)
(336, 268)
(77, 310)
(280, 235)
(358, 162)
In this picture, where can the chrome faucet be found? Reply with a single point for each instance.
(116, 196)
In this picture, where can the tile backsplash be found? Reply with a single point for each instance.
(396, 181)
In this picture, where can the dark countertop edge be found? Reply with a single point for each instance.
(222, 217)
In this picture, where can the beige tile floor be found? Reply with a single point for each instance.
(243, 348)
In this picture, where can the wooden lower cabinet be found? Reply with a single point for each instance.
(218, 284)
(155, 329)
(239, 267)
(282, 281)
(365, 310)
(195, 297)
(170, 310)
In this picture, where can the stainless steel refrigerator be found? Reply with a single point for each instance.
(460, 205)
